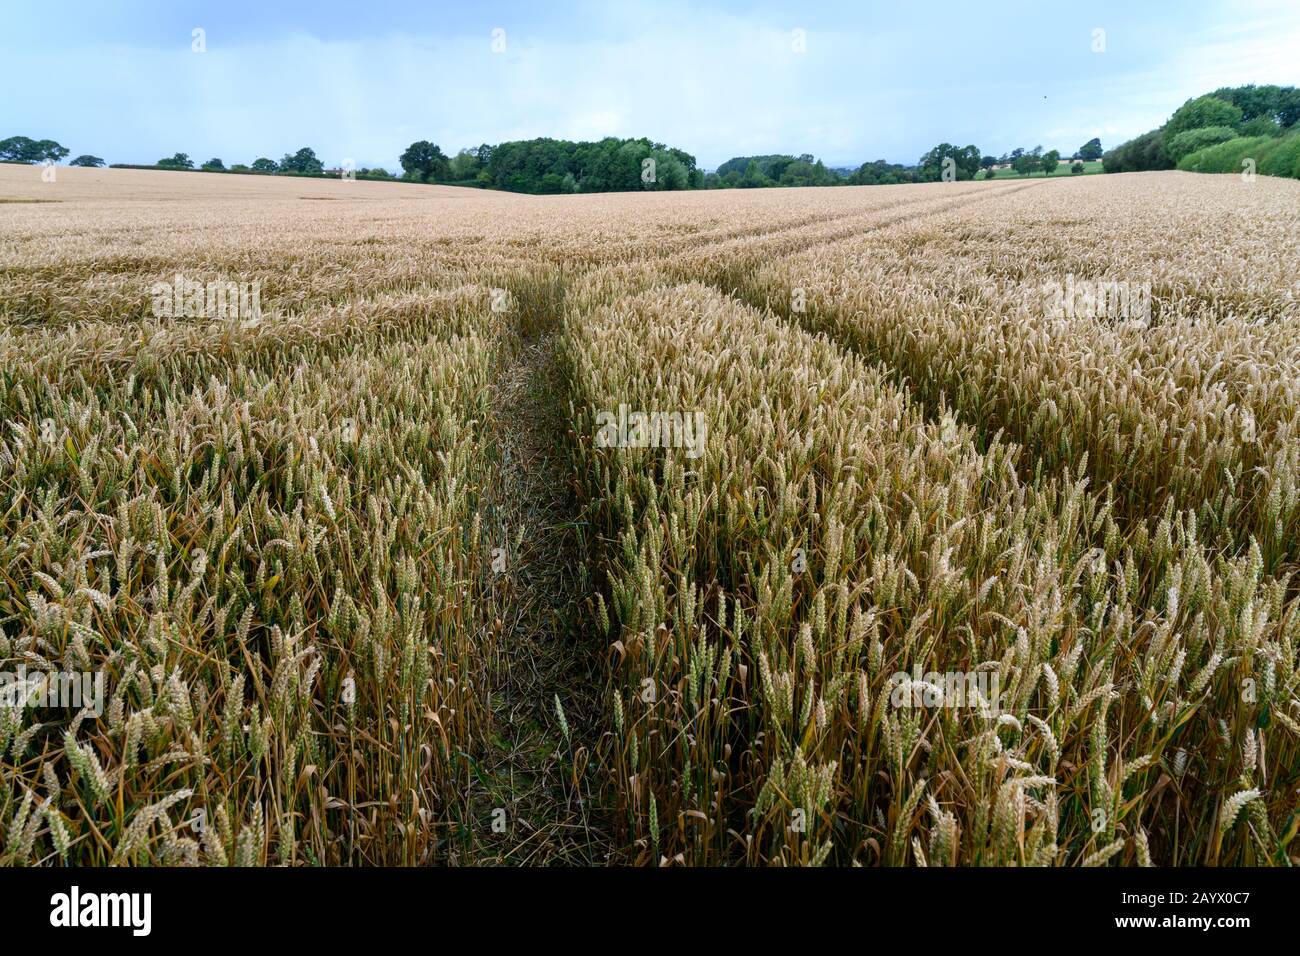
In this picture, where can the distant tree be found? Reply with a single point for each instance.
(1026, 164)
(464, 165)
(179, 161)
(778, 168)
(1077, 168)
(17, 149)
(965, 162)
(264, 165)
(1201, 112)
(214, 165)
(774, 167)
(50, 151)
(1281, 104)
(545, 165)
(87, 160)
(424, 162)
(988, 162)
(1142, 153)
(21, 149)
(1051, 159)
(239, 168)
(670, 172)
(1090, 150)
(753, 177)
(303, 161)
(798, 173)
(990, 173)
(883, 173)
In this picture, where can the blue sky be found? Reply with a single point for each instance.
(718, 79)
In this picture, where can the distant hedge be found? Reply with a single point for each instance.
(254, 172)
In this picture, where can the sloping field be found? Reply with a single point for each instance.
(949, 524)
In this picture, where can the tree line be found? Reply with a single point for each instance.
(549, 166)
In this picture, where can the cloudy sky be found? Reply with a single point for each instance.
(848, 81)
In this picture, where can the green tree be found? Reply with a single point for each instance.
(303, 161)
(424, 162)
(607, 165)
(264, 165)
(464, 165)
(1026, 164)
(882, 173)
(22, 149)
(670, 172)
(1091, 150)
(214, 165)
(777, 168)
(1051, 159)
(1201, 112)
(17, 149)
(1281, 104)
(87, 160)
(753, 177)
(1077, 168)
(50, 151)
(965, 162)
(1145, 152)
(799, 173)
(179, 161)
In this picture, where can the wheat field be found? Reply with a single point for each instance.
(926, 525)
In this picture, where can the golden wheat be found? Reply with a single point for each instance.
(905, 563)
